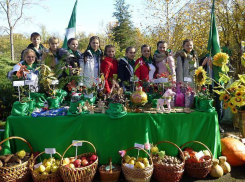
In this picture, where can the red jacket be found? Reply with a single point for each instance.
(142, 72)
(108, 67)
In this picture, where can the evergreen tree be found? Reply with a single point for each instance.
(123, 31)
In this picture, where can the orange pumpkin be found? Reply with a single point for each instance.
(234, 150)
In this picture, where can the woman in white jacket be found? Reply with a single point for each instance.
(90, 62)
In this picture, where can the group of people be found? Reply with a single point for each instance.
(93, 62)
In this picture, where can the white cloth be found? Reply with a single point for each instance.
(152, 71)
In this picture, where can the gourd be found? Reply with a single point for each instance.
(225, 165)
(234, 150)
(216, 170)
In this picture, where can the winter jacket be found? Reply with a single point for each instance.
(125, 72)
(109, 67)
(185, 70)
(90, 65)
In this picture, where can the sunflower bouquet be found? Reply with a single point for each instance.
(234, 95)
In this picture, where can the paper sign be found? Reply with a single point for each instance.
(131, 166)
(156, 81)
(163, 80)
(50, 150)
(139, 145)
(29, 82)
(18, 83)
(37, 165)
(77, 144)
(187, 79)
(55, 82)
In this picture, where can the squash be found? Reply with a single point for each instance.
(234, 150)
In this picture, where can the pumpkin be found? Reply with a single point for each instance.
(234, 150)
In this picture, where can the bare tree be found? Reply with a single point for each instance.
(14, 12)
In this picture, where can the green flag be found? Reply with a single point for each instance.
(71, 29)
(213, 42)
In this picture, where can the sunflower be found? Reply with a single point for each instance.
(226, 97)
(241, 87)
(220, 59)
(231, 105)
(238, 101)
(221, 97)
(238, 94)
(234, 110)
(225, 105)
(200, 76)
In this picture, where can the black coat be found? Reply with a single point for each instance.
(31, 46)
(124, 73)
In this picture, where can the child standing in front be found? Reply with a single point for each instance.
(126, 68)
(36, 46)
(186, 63)
(109, 67)
(164, 62)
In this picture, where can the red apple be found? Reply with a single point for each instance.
(93, 157)
(83, 158)
(90, 162)
(84, 162)
(77, 163)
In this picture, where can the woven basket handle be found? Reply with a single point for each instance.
(181, 152)
(16, 137)
(200, 144)
(83, 141)
(142, 150)
(43, 153)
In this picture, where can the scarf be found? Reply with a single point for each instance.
(159, 57)
(131, 62)
(32, 67)
(148, 61)
(76, 53)
(97, 53)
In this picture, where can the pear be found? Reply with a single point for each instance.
(66, 161)
(36, 171)
(133, 158)
(154, 150)
(44, 162)
(57, 162)
(145, 160)
(41, 168)
(141, 165)
(127, 159)
(48, 169)
(131, 162)
(44, 173)
(48, 164)
(54, 169)
(140, 159)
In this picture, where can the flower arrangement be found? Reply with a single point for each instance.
(234, 95)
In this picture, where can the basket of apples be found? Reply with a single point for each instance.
(81, 168)
(15, 167)
(167, 168)
(139, 169)
(47, 171)
(198, 164)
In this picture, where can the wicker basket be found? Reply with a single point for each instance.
(53, 177)
(165, 173)
(17, 173)
(106, 176)
(82, 174)
(198, 170)
(137, 174)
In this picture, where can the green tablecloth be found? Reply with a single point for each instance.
(111, 135)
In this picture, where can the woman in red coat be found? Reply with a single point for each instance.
(109, 67)
(144, 65)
